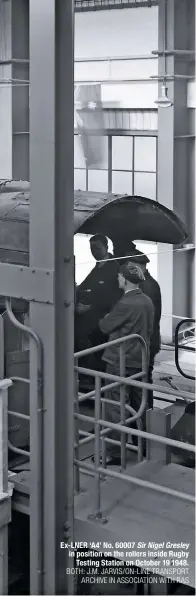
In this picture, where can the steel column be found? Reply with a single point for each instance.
(51, 246)
(109, 163)
(174, 152)
(5, 500)
(14, 100)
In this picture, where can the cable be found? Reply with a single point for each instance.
(178, 317)
(184, 248)
(146, 254)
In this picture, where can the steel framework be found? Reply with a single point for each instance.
(85, 5)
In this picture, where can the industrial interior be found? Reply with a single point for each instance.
(97, 196)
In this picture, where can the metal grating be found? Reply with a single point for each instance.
(85, 5)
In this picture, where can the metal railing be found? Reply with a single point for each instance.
(182, 346)
(36, 339)
(21, 416)
(96, 395)
(103, 427)
(37, 410)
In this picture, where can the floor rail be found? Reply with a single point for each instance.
(103, 426)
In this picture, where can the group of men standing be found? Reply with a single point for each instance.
(119, 298)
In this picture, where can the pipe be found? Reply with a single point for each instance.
(17, 450)
(18, 415)
(115, 58)
(20, 380)
(40, 409)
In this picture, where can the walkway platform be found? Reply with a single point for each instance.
(136, 514)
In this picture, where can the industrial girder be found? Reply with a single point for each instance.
(86, 5)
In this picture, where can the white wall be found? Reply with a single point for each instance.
(107, 34)
(118, 33)
(84, 261)
(132, 31)
(191, 94)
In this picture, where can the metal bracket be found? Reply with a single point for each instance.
(97, 517)
(27, 283)
(80, 492)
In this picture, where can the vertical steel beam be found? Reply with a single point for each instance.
(51, 246)
(3, 488)
(174, 153)
(133, 166)
(6, 91)
(14, 99)
(1, 348)
(158, 422)
(110, 163)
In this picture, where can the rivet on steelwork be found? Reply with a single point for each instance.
(66, 303)
(33, 271)
(66, 526)
(66, 259)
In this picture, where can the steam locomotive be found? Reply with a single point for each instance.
(120, 217)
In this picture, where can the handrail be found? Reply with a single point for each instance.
(113, 342)
(4, 386)
(102, 426)
(122, 381)
(138, 482)
(159, 388)
(39, 409)
(91, 394)
(19, 415)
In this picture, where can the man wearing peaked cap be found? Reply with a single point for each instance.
(133, 314)
(121, 249)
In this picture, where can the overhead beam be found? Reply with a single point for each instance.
(95, 5)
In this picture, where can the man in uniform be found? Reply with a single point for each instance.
(133, 314)
(96, 296)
